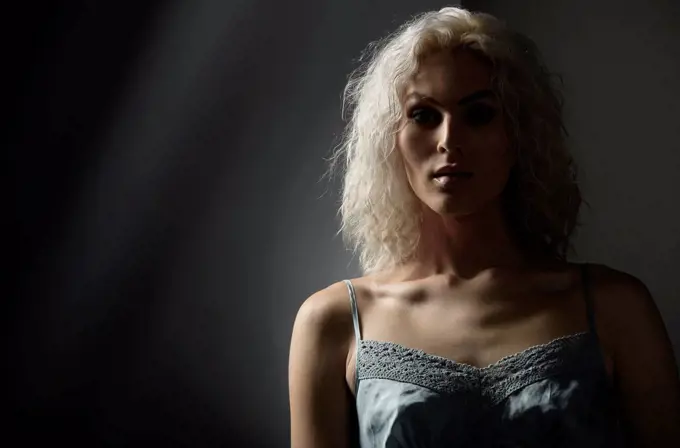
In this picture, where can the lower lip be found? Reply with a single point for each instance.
(450, 180)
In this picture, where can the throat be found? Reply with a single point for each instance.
(463, 246)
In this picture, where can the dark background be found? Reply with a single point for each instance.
(168, 218)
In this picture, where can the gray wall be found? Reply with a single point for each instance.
(190, 222)
(620, 60)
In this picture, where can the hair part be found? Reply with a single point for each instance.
(380, 214)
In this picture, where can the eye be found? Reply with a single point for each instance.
(479, 114)
(425, 116)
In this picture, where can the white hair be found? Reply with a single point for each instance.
(380, 213)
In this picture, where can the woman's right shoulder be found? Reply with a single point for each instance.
(318, 394)
(327, 311)
(326, 315)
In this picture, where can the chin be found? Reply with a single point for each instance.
(450, 208)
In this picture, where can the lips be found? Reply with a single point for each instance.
(461, 174)
(452, 170)
(449, 175)
(447, 181)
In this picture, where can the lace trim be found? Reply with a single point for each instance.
(388, 360)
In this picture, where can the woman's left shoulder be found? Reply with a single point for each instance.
(610, 281)
(621, 299)
(644, 362)
(630, 321)
(618, 292)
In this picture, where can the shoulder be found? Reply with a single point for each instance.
(325, 317)
(619, 295)
(316, 368)
(613, 280)
(324, 320)
(630, 318)
(332, 304)
(326, 311)
(622, 301)
(646, 374)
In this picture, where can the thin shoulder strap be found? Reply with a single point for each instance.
(357, 331)
(586, 280)
(590, 309)
(355, 310)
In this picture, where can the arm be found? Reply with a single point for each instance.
(645, 367)
(318, 391)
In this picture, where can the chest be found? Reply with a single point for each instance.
(474, 329)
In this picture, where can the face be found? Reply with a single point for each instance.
(452, 118)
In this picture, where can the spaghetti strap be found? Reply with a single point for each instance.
(590, 309)
(357, 329)
(355, 310)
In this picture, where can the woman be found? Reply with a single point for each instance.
(469, 327)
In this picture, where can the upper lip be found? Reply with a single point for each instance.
(449, 169)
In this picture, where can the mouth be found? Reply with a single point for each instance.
(456, 175)
(449, 178)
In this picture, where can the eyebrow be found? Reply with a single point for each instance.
(480, 94)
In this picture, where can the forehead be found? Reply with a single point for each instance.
(449, 76)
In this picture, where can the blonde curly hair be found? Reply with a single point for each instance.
(380, 213)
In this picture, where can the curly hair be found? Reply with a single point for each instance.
(380, 213)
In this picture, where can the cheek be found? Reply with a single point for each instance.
(414, 148)
(492, 147)
(492, 138)
(493, 160)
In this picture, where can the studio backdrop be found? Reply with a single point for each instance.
(165, 162)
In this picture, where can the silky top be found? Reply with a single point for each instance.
(556, 394)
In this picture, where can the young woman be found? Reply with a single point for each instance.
(469, 327)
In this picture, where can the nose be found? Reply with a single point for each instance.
(449, 136)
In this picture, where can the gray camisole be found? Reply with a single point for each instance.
(551, 395)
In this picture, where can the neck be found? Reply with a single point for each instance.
(464, 246)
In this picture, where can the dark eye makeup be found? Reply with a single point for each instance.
(474, 115)
(425, 115)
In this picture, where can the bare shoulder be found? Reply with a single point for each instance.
(646, 373)
(316, 369)
(609, 277)
(326, 315)
(333, 301)
(623, 304)
(619, 295)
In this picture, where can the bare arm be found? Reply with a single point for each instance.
(318, 392)
(645, 366)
